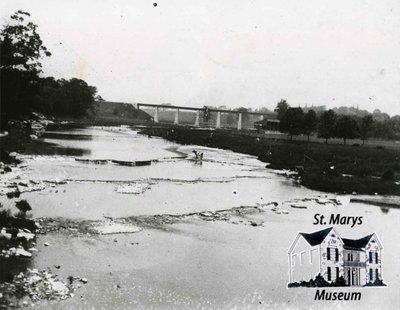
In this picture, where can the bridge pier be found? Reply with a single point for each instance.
(156, 115)
(270, 123)
(239, 125)
(197, 121)
(218, 125)
(176, 121)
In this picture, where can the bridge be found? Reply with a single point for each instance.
(269, 118)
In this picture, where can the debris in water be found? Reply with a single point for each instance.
(323, 201)
(298, 206)
(255, 224)
(116, 228)
(207, 214)
(133, 188)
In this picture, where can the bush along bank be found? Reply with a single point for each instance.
(329, 168)
(19, 134)
(17, 234)
(319, 281)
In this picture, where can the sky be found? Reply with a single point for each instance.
(225, 53)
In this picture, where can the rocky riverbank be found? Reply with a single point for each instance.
(18, 233)
(17, 248)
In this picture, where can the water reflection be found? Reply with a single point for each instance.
(66, 136)
(111, 143)
(40, 147)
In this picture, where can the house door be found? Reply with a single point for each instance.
(349, 277)
(354, 276)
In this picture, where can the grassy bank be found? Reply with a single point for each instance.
(329, 168)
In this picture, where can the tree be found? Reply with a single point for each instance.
(71, 98)
(346, 128)
(21, 51)
(383, 130)
(326, 125)
(22, 90)
(21, 46)
(366, 125)
(310, 123)
(292, 122)
(79, 97)
(378, 116)
(263, 110)
(281, 108)
(48, 95)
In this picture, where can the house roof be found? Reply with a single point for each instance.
(357, 244)
(316, 237)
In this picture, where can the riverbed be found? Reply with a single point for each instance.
(197, 261)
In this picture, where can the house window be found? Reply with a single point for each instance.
(337, 273)
(376, 257)
(350, 257)
(329, 274)
(376, 274)
(370, 274)
(336, 254)
(294, 259)
(312, 251)
(370, 257)
(302, 257)
(328, 253)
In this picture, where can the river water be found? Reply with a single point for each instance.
(177, 184)
(193, 263)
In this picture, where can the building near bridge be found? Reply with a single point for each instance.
(268, 124)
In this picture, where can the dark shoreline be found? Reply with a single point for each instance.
(339, 169)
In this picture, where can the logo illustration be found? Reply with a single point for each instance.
(323, 258)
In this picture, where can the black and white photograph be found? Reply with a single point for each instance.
(208, 154)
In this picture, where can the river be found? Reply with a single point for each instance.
(241, 262)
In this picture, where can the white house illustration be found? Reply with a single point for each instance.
(325, 252)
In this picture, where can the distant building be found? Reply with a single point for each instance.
(325, 252)
(269, 124)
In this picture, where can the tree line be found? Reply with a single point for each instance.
(23, 89)
(329, 124)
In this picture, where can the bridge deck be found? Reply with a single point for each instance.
(165, 106)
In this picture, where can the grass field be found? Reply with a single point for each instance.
(325, 167)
